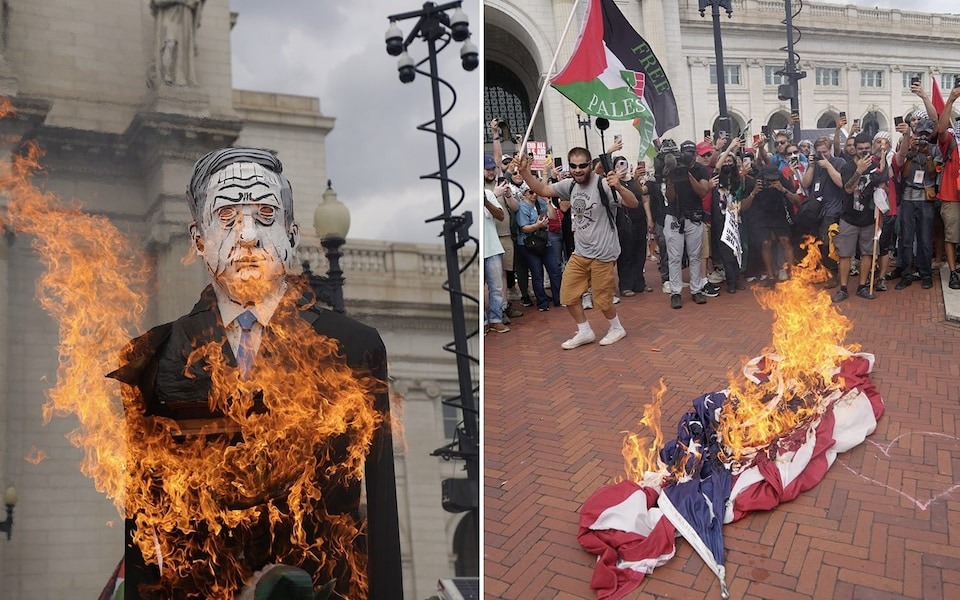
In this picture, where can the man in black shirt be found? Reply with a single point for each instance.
(687, 182)
(772, 198)
(858, 220)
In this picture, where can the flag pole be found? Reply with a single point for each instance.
(546, 80)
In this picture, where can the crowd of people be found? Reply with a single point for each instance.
(731, 214)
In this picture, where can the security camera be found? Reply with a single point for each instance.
(394, 39)
(459, 26)
(405, 68)
(469, 56)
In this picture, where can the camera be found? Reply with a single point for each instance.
(504, 128)
(606, 161)
(914, 81)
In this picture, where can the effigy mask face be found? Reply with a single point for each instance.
(242, 232)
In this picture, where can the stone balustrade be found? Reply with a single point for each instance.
(393, 271)
(831, 16)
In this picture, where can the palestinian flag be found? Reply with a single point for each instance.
(614, 74)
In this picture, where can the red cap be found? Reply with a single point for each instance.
(704, 148)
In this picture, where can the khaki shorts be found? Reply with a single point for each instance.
(582, 274)
(950, 213)
(705, 246)
(851, 236)
(507, 244)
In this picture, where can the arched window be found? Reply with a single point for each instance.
(873, 122)
(466, 545)
(504, 97)
(827, 120)
(778, 120)
(736, 124)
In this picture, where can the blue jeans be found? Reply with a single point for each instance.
(556, 242)
(537, 264)
(916, 222)
(493, 277)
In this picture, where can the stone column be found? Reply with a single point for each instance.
(562, 112)
(652, 30)
(670, 53)
(851, 72)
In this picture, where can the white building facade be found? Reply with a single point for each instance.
(82, 77)
(858, 60)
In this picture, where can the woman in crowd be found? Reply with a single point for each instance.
(534, 215)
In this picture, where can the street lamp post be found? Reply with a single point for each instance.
(434, 26)
(331, 220)
(584, 125)
(723, 122)
(10, 500)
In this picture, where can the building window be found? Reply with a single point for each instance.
(947, 80)
(451, 419)
(731, 74)
(828, 77)
(908, 75)
(504, 97)
(871, 78)
(770, 76)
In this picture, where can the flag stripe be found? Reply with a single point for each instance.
(589, 50)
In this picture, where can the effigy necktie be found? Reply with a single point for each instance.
(245, 350)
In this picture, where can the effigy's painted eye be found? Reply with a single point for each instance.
(267, 214)
(227, 215)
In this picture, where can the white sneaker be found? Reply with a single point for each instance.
(666, 287)
(616, 299)
(587, 302)
(613, 336)
(579, 340)
(717, 276)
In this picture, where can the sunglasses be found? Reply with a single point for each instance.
(585, 165)
(781, 143)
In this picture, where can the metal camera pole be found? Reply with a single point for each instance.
(433, 25)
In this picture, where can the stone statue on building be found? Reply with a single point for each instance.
(254, 421)
(175, 44)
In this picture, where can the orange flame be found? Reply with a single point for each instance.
(808, 334)
(641, 454)
(203, 502)
(36, 456)
(268, 488)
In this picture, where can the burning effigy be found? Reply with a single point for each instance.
(244, 434)
(770, 435)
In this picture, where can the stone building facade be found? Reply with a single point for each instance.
(858, 60)
(85, 80)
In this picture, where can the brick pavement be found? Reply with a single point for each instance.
(884, 523)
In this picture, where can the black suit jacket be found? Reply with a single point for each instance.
(154, 365)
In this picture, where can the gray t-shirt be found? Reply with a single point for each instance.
(593, 235)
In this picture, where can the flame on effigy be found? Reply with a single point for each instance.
(184, 489)
(799, 368)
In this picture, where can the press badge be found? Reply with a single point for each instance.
(918, 177)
